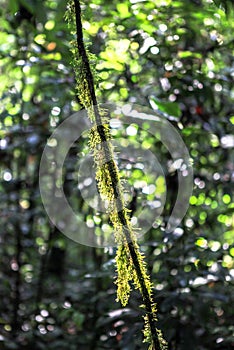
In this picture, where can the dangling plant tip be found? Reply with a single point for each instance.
(130, 264)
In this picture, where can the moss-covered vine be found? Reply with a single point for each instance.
(130, 262)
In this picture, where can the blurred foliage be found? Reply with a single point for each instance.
(172, 56)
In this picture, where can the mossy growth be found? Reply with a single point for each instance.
(130, 264)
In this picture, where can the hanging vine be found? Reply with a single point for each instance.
(130, 262)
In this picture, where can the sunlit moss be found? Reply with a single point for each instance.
(109, 181)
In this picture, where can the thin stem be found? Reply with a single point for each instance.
(115, 179)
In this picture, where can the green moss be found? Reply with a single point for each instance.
(111, 190)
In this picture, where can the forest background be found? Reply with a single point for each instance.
(171, 56)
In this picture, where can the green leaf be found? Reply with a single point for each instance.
(227, 5)
(13, 6)
(186, 54)
(123, 10)
(78, 318)
(171, 108)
